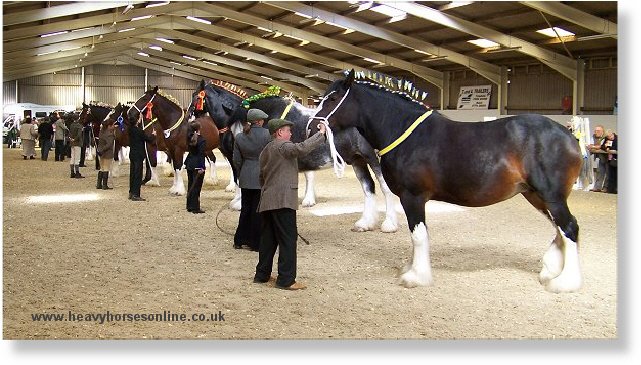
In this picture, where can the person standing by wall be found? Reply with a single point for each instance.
(75, 138)
(601, 159)
(59, 137)
(247, 148)
(610, 145)
(45, 133)
(279, 201)
(195, 165)
(105, 151)
(137, 155)
(28, 134)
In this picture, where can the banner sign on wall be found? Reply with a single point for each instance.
(474, 97)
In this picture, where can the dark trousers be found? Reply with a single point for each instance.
(248, 230)
(194, 185)
(83, 151)
(612, 179)
(45, 147)
(278, 229)
(135, 176)
(60, 150)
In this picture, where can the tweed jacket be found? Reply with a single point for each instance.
(279, 172)
(106, 140)
(75, 132)
(247, 149)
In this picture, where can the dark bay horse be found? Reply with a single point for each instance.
(469, 164)
(219, 100)
(355, 150)
(163, 113)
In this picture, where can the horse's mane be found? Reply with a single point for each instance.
(170, 98)
(101, 104)
(234, 89)
(390, 84)
(271, 91)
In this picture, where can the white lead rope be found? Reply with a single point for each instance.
(339, 163)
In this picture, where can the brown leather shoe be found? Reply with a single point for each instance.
(295, 286)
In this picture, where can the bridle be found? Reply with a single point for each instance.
(339, 162)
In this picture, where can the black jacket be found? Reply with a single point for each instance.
(196, 157)
(137, 139)
(45, 130)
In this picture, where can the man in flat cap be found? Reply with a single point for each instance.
(247, 147)
(279, 201)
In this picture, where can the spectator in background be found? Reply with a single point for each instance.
(610, 145)
(28, 134)
(59, 137)
(45, 134)
(601, 159)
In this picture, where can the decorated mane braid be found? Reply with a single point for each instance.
(393, 85)
(234, 89)
(170, 98)
(271, 91)
(101, 104)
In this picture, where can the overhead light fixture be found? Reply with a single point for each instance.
(189, 57)
(140, 17)
(165, 40)
(371, 60)
(205, 21)
(52, 34)
(266, 77)
(593, 37)
(210, 63)
(435, 58)
(46, 53)
(302, 43)
(156, 48)
(143, 54)
(483, 43)
(176, 63)
(423, 52)
(157, 4)
(273, 52)
(126, 30)
(551, 32)
(127, 8)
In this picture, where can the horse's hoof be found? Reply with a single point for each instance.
(361, 226)
(308, 203)
(230, 188)
(412, 279)
(564, 284)
(389, 227)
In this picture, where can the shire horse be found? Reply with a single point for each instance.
(355, 150)
(468, 164)
(93, 115)
(163, 113)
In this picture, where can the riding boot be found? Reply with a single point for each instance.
(78, 176)
(99, 182)
(73, 171)
(105, 178)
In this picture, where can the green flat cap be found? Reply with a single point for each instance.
(274, 124)
(255, 114)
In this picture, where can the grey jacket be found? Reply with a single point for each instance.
(279, 172)
(60, 129)
(247, 148)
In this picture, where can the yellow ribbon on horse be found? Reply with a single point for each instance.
(407, 133)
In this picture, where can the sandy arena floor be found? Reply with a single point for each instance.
(107, 253)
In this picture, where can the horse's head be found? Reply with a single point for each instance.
(335, 108)
(141, 104)
(198, 107)
(220, 104)
(84, 113)
(116, 116)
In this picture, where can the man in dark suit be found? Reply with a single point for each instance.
(137, 154)
(279, 201)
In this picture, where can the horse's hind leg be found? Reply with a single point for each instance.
(309, 199)
(211, 177)
(561, 271)
(419, 270)
(370, 215)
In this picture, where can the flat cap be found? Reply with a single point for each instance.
(274, 124)
(255, 114)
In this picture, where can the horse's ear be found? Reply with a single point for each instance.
(155, 89)
(349, 79)
(202, 84)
